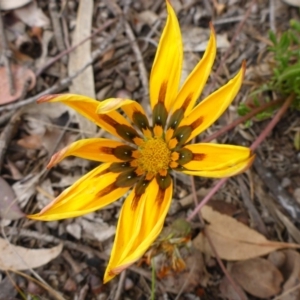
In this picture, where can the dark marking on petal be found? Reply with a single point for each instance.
(176, 118)
(135, 201)
(185, 156)
(126, 179)
(141, 186)
(160, 114)
(182, 134)
(160, 196)
(197, 123)
(163, 181)
(162, 92)
(107, 150)
(198, 156)
(187, 101)
(126, 132)
(106, 190)
(102, 173)
(140, 120)
(107, 119)
(123, 152)
(120, 167)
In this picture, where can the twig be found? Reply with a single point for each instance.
(241, 120)
(5, 51)
(256, 219)
(290, 205)
(7, 134)
(228, 276)
(229, 50)
(254, 145)
(120, 285)
(62, 84)
(67, 51)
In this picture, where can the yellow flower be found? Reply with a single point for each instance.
(142, 164)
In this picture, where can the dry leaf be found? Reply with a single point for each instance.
(228, 291)
(20, 258)
(12, 4)
(291, 272)
(257, 276)
(30, 142)
(20, 76)
(9, 208)
(32, 15)
(234, 240)
(83, 84)
(292, 2)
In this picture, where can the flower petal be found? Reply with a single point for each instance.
(225, 172)
(98, 149)
(139, 224)
(166, 69)
(212, 107)
(87, 107)
(210, 157)
(193, 85)
(132, 109)
(91, 192)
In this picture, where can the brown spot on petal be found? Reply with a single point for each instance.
(162, 92)
(187, 101)
(160, 196)
(198, 156)
(106, 190)
(107, 119)
(135, 201)
(107, 150)
(197, 123)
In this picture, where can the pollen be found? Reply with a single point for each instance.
(154, 155)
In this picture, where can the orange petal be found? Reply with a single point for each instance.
(88, 108)
(140, 223)
(91, 192)
(193, 85)
(98, 149)
(211, 108)
(225, 172)
(166, 69)
(210, 157)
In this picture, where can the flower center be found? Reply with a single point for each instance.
(154, 155)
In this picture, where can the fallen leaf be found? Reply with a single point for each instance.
(9, 208)
(83, 84)
(291, 272)
(20, 258)
(30, 142)
(32, 15)
(228, 291)
(234, 240)
(10, 5)
(20, 76)
(257, 276)
(292, 2)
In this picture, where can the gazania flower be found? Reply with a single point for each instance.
(142, 163)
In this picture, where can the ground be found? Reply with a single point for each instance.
(251, 220)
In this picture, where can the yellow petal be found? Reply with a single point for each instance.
(166, 69)
(91, 192)
(132, 109)
(139, 225)
(88, 108)
(225, 172)
(212, 107)
(210, 157)
(193, 86)
(98, 149)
